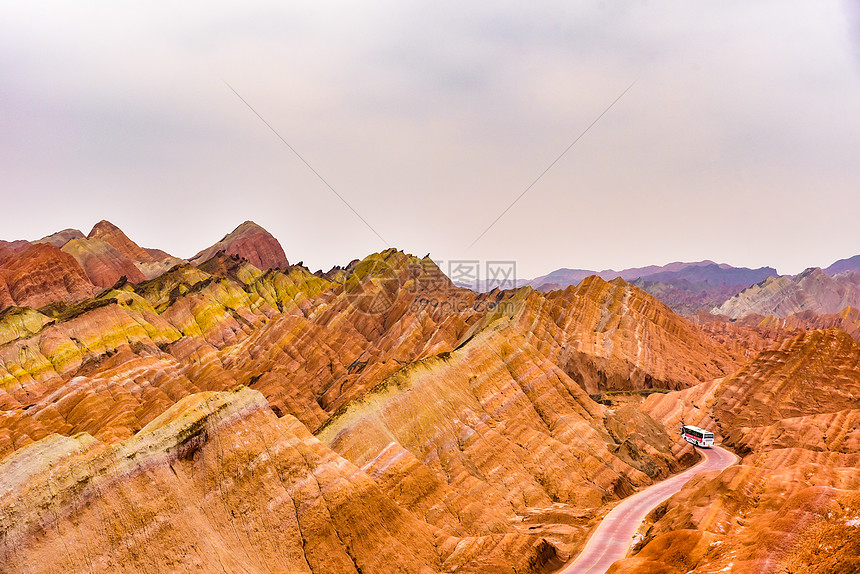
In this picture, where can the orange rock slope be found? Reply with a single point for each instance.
(235, 413)
(219, 483)
(793, 414)
(848, 319)
(452, 431)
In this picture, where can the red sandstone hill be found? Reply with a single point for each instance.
(848, 319)
(793, 413)
(40, 274)
(11, 247)
(102, 263)
(251, 242)
(377, 418)
(758, 332)
(441, 410)
(150, 262)
(67, 267)
(113, 235)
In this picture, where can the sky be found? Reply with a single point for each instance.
(417, 124)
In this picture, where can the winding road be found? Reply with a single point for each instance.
(613, 536)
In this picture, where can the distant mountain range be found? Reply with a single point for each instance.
(696, 271)
(690, 287)
(813, 290)
(686, 287)
(69, 267)
(850, 264)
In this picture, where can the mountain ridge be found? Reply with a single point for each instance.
(686, 287)
(508, 464)
(105, 256)
(849, 264)
(378, 417)
(811, 290)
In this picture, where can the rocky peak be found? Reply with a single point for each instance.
(104, 228)
(251, 242)
(113, 235)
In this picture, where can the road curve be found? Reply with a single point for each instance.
(612, 538)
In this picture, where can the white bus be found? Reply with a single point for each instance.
(697, 436)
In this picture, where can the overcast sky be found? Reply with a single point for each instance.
(738, 142)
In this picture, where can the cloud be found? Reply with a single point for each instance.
(430, 117)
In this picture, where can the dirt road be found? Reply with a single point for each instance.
(612, 538)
